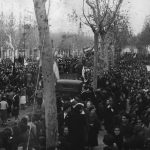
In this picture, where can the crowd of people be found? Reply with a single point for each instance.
(125, 95)
(69, 65)
(17, 91)
(121, 105)
(27, 133)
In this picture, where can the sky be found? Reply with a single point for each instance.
(59, 10)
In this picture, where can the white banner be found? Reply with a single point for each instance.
(148, 68)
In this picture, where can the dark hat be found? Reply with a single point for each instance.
(78, 107)
(4, 97)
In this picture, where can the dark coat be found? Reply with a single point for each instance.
(16, 105)
(77, 124)
(109, 118)
(94, 125)
(118, 139)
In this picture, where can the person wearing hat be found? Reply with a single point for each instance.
(77, 123)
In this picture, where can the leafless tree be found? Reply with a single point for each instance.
(100, 17)
(48, 75)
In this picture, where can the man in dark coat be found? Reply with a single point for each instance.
(77, 124)
(109, 114)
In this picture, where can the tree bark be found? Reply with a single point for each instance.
(48, 75)
(95, 61)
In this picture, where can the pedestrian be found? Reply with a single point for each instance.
(94, 125)
(16, 105)
(29, 93)
(64, 143)
(109, 114)
(3, 110)
(118, 138)
(6, 139)
(77, 124)
(9, 101)
(39, 98)
(23, 99)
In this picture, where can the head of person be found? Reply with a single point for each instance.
(79, 108)
(116, 131)
(8, 133)
(66, 131)
(109, 101)
(125, 118)
(88, 104)
(23, 124)
(92, 109)
(4, 98)
(139, 122)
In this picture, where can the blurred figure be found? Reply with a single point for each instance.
(77, 124)
(94, 125)
(16, 102)
(3, 110)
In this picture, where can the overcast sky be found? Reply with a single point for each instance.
(138, 10)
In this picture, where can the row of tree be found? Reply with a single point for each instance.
(110, 27)
(142, 40)
(107, 24)
(19, 35)
(24, 35)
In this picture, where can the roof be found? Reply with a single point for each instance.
(69, 81)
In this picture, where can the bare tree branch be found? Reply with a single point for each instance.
(114, 15)
(88, 22)
(93, 10)
(105, 13)
(98, 13)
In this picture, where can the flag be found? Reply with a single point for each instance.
(56, 70)
(83, 72)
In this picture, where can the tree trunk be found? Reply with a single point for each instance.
(95, 61)
(48, 75)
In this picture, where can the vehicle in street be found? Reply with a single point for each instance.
(68, 88)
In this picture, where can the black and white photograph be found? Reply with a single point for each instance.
(74, 74)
